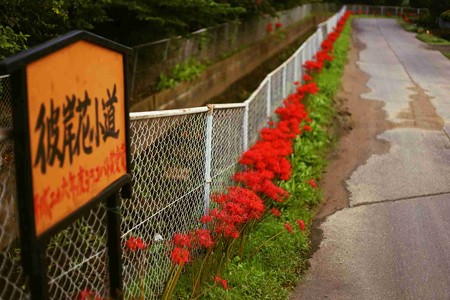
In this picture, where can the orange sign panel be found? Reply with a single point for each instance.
(77, 128)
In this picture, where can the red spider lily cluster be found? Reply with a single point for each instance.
(257, 193)
(266, 162)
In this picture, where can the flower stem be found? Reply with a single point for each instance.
(263, 244)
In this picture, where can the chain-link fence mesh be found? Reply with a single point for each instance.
(179, 159)
(168, 155)
(13, 282)
(77, 258)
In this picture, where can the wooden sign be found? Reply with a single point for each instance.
(71, 134)
(77, 128)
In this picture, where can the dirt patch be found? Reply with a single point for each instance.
(422, 113)
(358, 123)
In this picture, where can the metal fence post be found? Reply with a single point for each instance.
(245, 128)
(269, 97)
(382, 10)
(208, 157)
(401, 12)
(296, 66)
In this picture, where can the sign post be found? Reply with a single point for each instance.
(71, 132)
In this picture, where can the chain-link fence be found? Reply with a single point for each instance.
(387, 11)
(208, 45)
(179, 157)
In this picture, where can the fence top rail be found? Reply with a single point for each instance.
(167, 113)
(227, 105)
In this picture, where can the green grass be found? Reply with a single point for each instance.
(431, 39)
(273, 271)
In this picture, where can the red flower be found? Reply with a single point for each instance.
(288, 227)
(307, 128)
(206, 219)
(301, 224)
(203, 238)
(221, 281)
(269, 27)
(307, 77)
(182, 240)
(296, 83)
(180, 256)
(278, 25)
(312, 183)
(87, 294)
(134, 243)
(275, 212)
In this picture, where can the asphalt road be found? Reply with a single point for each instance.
(393, 241)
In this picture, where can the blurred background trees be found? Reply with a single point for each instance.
(130, 22)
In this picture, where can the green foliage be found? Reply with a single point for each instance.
(431, 39)
(11, 42)
(436, 7)
(185, 71)
(129, 22)
(44, 19)
(445, 16)
(411, 27)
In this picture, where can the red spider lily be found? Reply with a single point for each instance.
(261, 182)
(301, 224)
(307, 128)
(309, 88)
(222, 282)
(180, 256)
(87, 294)
(206, 219)
(296, 83)
(311, 65)
(312, 183)
(278, 25)
(307, 77)
(182, 240)
(288, 227)
(203, 238)
(237, 207)
(275, 212)
(134, 244)
(323, 56)
(269, 27)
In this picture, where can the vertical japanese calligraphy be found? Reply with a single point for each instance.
(77, 128)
